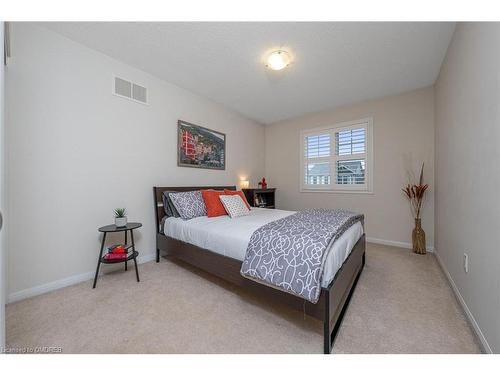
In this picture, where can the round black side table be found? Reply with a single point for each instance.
(133, 254)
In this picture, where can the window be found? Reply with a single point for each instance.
(337, 158)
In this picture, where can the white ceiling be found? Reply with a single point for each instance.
(334, 63)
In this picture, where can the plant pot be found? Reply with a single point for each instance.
(418, 238)
(121, 221)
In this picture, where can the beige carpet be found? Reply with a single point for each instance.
(402, 304)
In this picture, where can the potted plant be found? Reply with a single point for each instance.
(415, 194)
(120, 217)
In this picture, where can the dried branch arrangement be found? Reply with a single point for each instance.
(415, 194)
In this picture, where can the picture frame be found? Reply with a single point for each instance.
(200, 147)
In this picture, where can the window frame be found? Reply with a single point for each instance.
(333, 187)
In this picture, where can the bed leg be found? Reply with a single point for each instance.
(157, 255)
(327, 340)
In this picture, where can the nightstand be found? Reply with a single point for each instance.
(264, 198)
(133, 254)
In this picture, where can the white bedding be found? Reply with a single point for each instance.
(230, 237)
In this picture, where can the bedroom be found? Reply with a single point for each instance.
(168, 120)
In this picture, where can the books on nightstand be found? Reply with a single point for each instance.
(116, 252)
(111, 256)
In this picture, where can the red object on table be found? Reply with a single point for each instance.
(263, 183)
(118, 249)
(120, 256)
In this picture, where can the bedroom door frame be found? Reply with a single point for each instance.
(3, 257)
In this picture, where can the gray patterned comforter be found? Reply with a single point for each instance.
(290, 253)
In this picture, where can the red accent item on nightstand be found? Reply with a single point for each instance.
(263, 183)
(118, 249)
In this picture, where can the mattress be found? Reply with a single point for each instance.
(230, 236)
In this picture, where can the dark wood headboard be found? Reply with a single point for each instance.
(158, 197)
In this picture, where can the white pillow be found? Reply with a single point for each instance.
(234, 205)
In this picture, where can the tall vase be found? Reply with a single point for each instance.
(418, 238)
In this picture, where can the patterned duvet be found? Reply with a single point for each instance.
(290, 253)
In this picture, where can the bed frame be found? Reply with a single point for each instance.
(333, 300)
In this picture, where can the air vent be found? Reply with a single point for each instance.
(130, 90)
(139, 93)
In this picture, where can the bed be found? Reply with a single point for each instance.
(217, 245)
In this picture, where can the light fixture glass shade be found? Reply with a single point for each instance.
(278, 60)
(244, 184)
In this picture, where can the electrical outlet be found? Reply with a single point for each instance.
(466, 262)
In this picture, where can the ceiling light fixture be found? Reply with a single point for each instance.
(278, 60)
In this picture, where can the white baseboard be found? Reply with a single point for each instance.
(72, 280)
(484, 343)
(61, 283)
(405, 245)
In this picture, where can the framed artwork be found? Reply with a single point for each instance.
(199, 147)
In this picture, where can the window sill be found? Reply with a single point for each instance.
(303, 190)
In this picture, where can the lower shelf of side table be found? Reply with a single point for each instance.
(132, 255)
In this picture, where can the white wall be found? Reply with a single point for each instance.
(2, 196)
(467, 170)
(75, 152)
(403, 128)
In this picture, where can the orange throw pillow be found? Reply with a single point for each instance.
(213, 203)
(240, 193)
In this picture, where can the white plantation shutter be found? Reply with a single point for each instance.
(349, 142)
(318, 146)
(337, 157)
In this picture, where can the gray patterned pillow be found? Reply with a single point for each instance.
(234, 205)
(189, 204)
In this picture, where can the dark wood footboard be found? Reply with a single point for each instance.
(338, 294)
